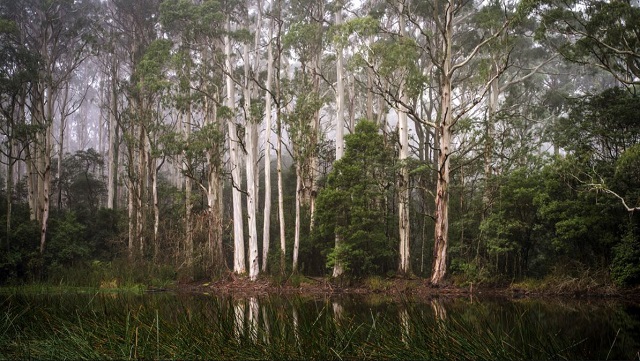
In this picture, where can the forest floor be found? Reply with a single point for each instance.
(403, 288)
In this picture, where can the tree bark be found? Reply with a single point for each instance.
(188, 195)
(283, 245)
(250, 141)
(439, 267)
(338, 268)
(45, 171)
(113, 139)
(403, 181)
(296, 239)
(234, 160)
(266, 224)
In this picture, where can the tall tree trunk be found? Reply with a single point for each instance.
(444, 131)
(131, 196)
(312, 187)
(188, 247)
(250, 141)
(403, 181)
(9, 188)
(296, 239)
(266, 224)
(494, 92)
(63, 122)
(45, 172)
(238, 232)
(283, 245)
(214, 193)
(153, 168)
(113, 140)
(338, 268)
(101, 123)
(142, 183)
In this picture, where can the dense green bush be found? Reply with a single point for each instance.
(625, 267)
(353, 206)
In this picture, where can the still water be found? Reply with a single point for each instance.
(167, 325)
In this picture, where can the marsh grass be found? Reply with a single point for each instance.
(126, 326)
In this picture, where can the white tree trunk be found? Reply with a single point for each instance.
(338, 268)
(142, 188)
(234, 160)
(113, 142)
(63, 111)
(283, 245)
(250, 141)
(266, 224)
(403, 182)
(187, 194)
(296, 239)
(156, 209)
(45, 172)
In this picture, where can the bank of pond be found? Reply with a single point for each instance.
(94, 324)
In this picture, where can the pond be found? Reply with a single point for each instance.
(187, 326)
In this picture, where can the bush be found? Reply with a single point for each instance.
(625, 267)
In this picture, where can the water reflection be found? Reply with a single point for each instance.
(253, 318)
(199, 326)
(405, 335)
(265, 324)
(438, 309)
(338, 310)
(238, 311)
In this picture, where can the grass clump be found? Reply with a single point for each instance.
(562, 283)
(377, 284)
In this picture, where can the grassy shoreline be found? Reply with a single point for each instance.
(394, 287)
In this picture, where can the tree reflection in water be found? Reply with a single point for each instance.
(199, 326)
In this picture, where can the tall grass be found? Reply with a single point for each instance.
(127, 326)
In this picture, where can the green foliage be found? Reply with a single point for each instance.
(602, 125)
(305, 39)
(151, 72)
(626, 179)
(67, 245)
(352, 205)
(19, 261)
(79, 183)
(510, 229)
(601, 31)
(398, 59)
(625, 267)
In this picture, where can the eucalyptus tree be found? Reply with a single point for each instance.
(594, 32)
(434, 36)
(268, 110)
(279, 99)
(388, 56)
(134, 24)
(304, 40)
(253, 116)
(61, 34)
(18, 71)
(338, 268)
(234, 154)
(203, 62)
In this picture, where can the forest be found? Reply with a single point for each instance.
(457, 141)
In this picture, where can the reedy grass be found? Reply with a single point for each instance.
(125, 326)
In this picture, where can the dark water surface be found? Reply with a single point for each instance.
(160, 326)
